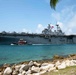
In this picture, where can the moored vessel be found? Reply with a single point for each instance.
(46, 37)
(20, 42)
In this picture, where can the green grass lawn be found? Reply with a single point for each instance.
(66, 71)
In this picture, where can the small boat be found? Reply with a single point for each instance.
(20, 42)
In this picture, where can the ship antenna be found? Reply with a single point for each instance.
(57, 26)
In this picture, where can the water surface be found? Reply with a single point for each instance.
(15, 54)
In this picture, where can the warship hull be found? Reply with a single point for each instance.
(38, 39)
(46, 37)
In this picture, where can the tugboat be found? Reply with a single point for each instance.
(20, 42)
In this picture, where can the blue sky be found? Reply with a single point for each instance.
(35, 15)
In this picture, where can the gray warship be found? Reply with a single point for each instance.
(47, 37)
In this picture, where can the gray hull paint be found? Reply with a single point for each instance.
(37, 39)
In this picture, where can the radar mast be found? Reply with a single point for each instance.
(58, 28)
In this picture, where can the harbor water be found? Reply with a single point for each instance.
(18, 53)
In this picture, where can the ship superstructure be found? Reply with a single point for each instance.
(49, 31)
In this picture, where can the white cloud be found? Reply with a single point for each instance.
(67, 19)
(56, 16)
(69, 31)
(72, 22)
(72, 25)
(39, 28)
(25, 30)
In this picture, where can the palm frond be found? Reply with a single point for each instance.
(53, 3)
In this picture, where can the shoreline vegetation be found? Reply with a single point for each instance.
(59, 65)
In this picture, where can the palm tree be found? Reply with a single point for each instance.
(53, 3)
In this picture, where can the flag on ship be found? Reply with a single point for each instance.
(52, 27)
